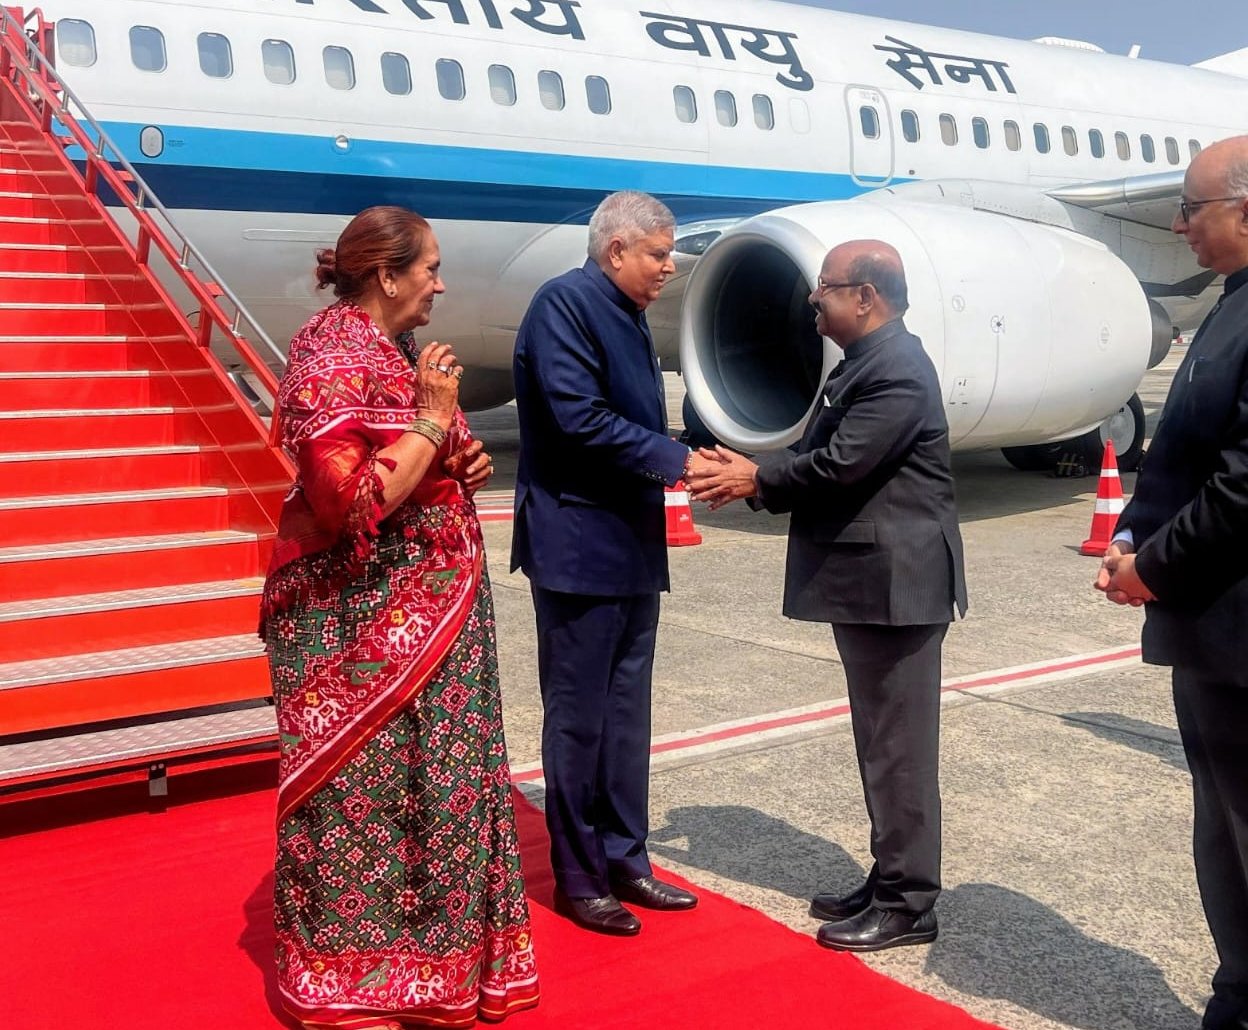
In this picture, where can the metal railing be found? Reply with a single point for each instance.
(23, 61)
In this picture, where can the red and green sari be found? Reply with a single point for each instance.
(398, 890)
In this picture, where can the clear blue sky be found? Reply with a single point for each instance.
(1180, 32)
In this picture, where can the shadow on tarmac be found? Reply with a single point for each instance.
(998, 943)
(994, 943)
(1147, 737)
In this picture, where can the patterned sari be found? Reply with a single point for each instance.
(398, 890)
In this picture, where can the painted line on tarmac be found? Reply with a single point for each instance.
(793, 722)
(495, 505)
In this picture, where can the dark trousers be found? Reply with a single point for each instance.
(894, 695)
(594, 659)
(1213, 721)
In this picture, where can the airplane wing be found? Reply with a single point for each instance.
(1143, 199)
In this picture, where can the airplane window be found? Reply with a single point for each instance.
(725, 108)
(215, 59)
(339, 67)
(1122, 145)
(1096, 143)
(1013, 137)
(1193, 147)
(550, 89)
(870, 120)
(910, 126)
(597, 94)
(1147, 150)
(948, 129)
(764, 113)
(1070, 142)
(75, 41)
(686, 104)
(1172, 150)
(396, 74)
(979, 132)
(279, 61)
(502, 85)
(450, 79)
(1041, 132)
(147, 48)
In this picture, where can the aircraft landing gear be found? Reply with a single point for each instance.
(1082, 454)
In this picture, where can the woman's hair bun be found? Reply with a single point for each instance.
(326, 268)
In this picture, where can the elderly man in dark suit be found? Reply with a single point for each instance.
(874, 549)
(590, 533)
(1181, 549)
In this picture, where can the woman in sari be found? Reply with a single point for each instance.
(398, 894)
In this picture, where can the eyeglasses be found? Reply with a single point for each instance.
(1186, 207)
(822, 286)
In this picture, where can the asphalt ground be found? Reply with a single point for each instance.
(1070, 897)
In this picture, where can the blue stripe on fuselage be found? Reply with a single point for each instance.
(237, 170)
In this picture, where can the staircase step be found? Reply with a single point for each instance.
(92, 516)
(106, 685)
(57, 428)
(128, 746)
(129, 388)
(45, 627)
(121, 468)
(97, 352)
(126, 563)
(33, 229)
(53, 318)
(52, 257)
(71, 287)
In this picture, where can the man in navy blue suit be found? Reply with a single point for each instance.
(590, 533)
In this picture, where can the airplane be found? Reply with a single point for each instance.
(1029, 186)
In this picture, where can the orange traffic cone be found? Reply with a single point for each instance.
(1109, 505)
(680, 531)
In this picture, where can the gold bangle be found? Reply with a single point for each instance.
(429, 429)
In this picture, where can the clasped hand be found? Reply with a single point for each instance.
(1118, 578)
(719, 476)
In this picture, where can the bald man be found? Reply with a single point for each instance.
(1180, 549)
(874, 549)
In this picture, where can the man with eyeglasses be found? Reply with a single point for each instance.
(874, 549)
(1181, 549)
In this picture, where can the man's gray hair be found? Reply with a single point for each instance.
(630, 215)
(1237, 178)
(886, 275)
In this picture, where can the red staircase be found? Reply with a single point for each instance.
(138, 492)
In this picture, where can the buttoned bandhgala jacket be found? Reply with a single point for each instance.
(1189, 512)
(873, 535)
(594, 449)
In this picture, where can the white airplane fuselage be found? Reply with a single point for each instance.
(506, 122)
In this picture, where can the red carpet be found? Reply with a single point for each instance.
(162, 921)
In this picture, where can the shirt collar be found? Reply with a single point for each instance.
(612, 292)
(874, 338)
(1236, 280)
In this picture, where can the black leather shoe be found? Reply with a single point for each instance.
(832, 907)
(602, 915)
(650, 892)
(874, 929)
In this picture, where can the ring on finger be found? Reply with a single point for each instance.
(444, 369)
(458, 373)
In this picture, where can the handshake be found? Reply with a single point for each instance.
(718, 476)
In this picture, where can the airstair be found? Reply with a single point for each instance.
(138, 491)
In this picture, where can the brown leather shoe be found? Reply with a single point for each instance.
(651, 892)
(601, 915)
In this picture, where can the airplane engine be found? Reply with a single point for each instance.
(1038, 334)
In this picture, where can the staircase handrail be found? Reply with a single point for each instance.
(42, 80)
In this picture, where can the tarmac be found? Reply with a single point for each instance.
(1070, 897)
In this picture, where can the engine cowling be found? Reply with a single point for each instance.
(1037, 333)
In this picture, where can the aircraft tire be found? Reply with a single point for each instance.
(1081, 455)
